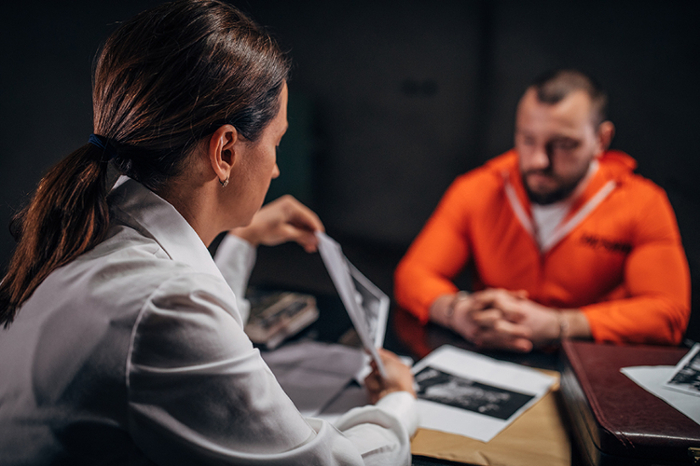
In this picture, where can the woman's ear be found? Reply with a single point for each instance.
(224, 151)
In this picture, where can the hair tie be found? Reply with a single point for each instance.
(103, 144)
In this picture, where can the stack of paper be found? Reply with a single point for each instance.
(678, 386)
(473, 395)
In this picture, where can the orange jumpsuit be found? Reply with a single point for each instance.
(619, 257)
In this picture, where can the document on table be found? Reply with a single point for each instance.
(686, 376)
(312, 373)
(654, 379)
(469, 394)
(367, 305)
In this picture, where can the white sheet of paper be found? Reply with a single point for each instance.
(652, 378)
(366, 305)
(312, 373)
(686, 376)
(491, 393)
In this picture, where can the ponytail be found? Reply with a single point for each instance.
(163, 81)
(67, 216)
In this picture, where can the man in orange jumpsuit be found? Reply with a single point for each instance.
(564, 239)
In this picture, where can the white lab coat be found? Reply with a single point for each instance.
(134, 353)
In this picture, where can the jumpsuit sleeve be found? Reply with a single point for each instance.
(655, 306)
(438, 253)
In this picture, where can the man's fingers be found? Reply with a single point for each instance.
(513, 314)
(493, 339)
(492, 298)
(504, 335)
(484, 296)
(510, 307)
(512, 330)
(486, 318)
(498, 296)
(521, 345)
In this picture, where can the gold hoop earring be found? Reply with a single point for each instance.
(224, 183)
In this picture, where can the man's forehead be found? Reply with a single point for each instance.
(572, 112)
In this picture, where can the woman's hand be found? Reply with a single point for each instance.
(284, 219)
(399, 377)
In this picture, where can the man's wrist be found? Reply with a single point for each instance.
(563, 326)
(459, 296)
(558, 329)
(443, 308)
(576, 324)
(572, 324)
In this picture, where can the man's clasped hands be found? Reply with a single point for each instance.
(499, 318)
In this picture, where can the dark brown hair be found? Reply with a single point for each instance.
(553, 86)
(164, 80)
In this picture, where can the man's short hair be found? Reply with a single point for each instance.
(551, 87)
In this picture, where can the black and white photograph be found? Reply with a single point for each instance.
(373, 302)
(686, 377)
(441, 387)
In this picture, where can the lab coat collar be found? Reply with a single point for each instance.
(142, 209)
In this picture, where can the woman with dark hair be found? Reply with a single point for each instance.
(123, 340)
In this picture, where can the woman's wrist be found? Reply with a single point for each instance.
(247, 233)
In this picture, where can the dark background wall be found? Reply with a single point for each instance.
(390, 100)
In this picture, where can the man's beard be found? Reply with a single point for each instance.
(557, 195)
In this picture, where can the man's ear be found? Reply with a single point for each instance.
(223, 152)
(606, 131)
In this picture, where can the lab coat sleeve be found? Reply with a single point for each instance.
(381, 433)
(235, 258)
(199, 393)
